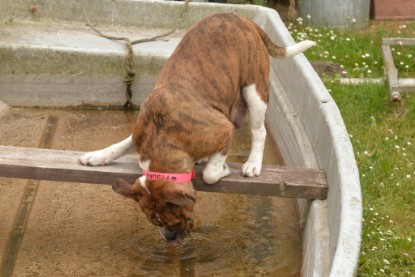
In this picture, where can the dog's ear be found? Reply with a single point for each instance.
(140, 193)
(126, 189)
(180, 195)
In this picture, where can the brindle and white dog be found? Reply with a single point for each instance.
(219, 70)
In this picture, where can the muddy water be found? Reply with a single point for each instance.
(67, 229)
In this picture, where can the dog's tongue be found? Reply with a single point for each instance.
(174, 243)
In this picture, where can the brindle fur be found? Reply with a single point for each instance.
(193, 110)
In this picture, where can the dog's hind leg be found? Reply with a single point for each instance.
(107, 155)
(257, 110)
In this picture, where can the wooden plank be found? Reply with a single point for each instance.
(396, 86)
(406, 85)
(398, 41)
(391, 73)
(61, 165)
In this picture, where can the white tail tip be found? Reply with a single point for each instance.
(299, 47)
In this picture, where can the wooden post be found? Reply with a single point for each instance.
(60, 165)
(396, 85)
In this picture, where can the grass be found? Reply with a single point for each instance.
(358, 53)
(383, 138)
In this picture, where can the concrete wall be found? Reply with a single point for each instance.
(5, 7)
(329, 141)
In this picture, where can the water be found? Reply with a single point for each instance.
(86, 230)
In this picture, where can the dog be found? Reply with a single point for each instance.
(218, 72)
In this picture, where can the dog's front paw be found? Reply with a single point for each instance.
(95, 158)
(251, 169)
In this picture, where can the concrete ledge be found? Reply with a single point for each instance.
(67, 64)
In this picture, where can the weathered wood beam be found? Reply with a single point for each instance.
(391, 73)
(398, 41)
(61, 165)
(396, 86)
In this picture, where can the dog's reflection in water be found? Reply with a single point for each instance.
(151, 253)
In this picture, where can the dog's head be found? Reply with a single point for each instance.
(166, 204)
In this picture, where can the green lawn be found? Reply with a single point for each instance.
(358, 53)
(383, 138)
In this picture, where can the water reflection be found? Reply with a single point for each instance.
(235, 235)
(252, 235)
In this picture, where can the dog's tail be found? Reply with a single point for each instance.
(277, 51)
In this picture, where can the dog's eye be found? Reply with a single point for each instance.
(156, 220)
(172, 207)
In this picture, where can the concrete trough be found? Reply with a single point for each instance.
(50, 58)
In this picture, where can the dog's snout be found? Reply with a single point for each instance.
(169, 235)
(190, 224)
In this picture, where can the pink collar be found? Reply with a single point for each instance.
(175, 177)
